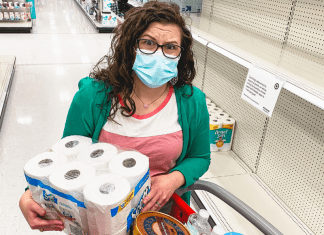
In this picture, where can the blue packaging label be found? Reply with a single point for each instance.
(220, 137)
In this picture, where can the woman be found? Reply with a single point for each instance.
(144, 100)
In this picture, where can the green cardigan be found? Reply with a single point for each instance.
(86, 118)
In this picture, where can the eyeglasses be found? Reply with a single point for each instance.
(150, 47)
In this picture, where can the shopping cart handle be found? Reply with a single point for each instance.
(246, 211)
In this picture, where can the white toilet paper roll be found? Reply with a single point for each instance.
(212, 116)
(222, 115)
(133, 166)
(210, 106)
(102, 194)
(215, 110)
(215, 124)
(70, 179)
(208, 101)
(39, 168)
(72, 145)
(98, 155)
(228, 123)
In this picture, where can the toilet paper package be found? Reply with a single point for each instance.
(214, 125)
(63, 182)
(221, 138)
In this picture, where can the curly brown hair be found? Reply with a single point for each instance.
(120, 60)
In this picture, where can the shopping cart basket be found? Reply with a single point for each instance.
(181, 211)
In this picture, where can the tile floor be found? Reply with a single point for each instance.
(50, 61)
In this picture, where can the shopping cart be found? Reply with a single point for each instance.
(181, 211)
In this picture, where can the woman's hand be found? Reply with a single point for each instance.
(163, 186)
(32, 212)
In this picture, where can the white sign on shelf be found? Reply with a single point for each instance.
(262, 89)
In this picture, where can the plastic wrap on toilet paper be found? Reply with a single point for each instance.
(214, 125)
(98, 155)
(222, 115)
(131, 165)
(221, 138)
(38, 169)
(103, 194)
(59, 188)
(71, 146)
(215, 110)
(70, 180)
(228, 129)
(210, 106)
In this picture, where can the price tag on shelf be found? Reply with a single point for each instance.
(262, 89)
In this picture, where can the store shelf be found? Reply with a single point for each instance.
(7, 69)
(134, 3)
(303, 74)
(100, 27)
(16, 27)
(228, 172)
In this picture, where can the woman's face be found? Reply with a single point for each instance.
(163, 33)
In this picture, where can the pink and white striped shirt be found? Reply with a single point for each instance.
(157, 135)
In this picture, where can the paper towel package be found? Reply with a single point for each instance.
(94, 188)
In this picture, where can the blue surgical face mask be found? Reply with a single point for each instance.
(155, 70)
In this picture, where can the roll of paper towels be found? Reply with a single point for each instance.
(133, 166)
(98, 155)
(39, 168)
(72, 145)
(70, 180)
(102, 194)
(228, 127)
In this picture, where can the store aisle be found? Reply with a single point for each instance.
(50, 61)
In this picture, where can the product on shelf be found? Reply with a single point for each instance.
(11, 16)
(17, 15)
(23, 16)
(6, 16)
(1, 16)
(11, 5)
(221, 128)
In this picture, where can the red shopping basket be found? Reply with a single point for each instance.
(180, 209)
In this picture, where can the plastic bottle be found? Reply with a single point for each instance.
(198, 223)
(217, 230)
